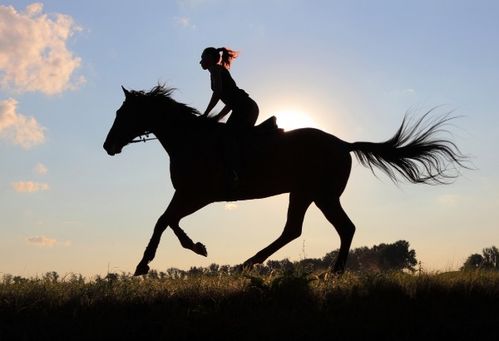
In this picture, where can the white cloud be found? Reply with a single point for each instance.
(40, 169)
(41, 241)
(44, 241)
(17, 128)
(230, 206)
(29, 186)
(184, 22)
(33, 51)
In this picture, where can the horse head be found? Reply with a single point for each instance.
(130, 122)
(154, 112)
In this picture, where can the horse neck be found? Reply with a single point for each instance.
(175, 131)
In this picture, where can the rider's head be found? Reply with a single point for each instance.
(211, 56)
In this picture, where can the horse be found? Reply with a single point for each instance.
(311, 165)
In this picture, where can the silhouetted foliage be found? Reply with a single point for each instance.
(488, 260)
(396, 256)
(382, 257)
(310, 264)
(278, 306)
(284, 265)
(491, 258)
(379, 258)
(51, 276)
(213, 269)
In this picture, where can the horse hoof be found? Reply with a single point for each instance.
(200, 249)
(142, 269)
(248, 265)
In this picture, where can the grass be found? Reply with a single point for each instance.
(296, 306)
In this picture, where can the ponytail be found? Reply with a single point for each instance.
(228, 56)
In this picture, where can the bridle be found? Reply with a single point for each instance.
(143, 138)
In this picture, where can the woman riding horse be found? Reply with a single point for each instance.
(309, 164)
(244, 109)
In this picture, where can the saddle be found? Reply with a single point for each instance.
(269, 126)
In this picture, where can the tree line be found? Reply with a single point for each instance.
(488, 260)
(397, 256)
(392, 257)
(380, 258)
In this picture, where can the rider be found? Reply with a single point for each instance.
(244, 109)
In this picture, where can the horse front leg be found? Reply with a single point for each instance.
(181, 206)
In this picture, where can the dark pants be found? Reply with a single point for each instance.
(242, 119)
(244, 115)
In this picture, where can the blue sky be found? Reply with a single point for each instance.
(353, 68)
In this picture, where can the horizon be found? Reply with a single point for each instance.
(352, 70)
(414, 269)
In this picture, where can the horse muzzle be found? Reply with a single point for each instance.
(112, 149)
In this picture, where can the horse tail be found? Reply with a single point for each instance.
(415, 152)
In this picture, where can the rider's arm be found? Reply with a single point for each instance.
(216, 80)
(213, 101)
(223, 113)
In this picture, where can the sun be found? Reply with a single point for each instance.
(291, 119)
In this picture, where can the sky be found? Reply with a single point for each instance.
(351, 68)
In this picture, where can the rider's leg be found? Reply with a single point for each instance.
(242, 119)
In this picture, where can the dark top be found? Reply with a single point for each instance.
(229, 93)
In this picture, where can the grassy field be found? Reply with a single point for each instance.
(295, 306)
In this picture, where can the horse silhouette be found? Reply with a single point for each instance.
(309, 164)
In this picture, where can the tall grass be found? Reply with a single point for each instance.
(250, 306)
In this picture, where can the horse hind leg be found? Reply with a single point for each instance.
(298, 205)
(334, 213)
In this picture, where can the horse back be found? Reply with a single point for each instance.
(301, 158)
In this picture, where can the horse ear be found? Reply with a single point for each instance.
(125, 91)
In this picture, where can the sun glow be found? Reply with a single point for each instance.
(291, 119)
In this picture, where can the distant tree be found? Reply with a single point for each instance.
(310, 264)
(224, 269)
(473, 262)
(175, 273)
(112, 277)
(194, 270)
(396, 256)
(19, 280)
(491, 257)
(51, 276)
(213, 268)
(363, 259)
(382, 257)
(489, 260)
(281, 265)
(329, 258)
(76, 278)
(153, 274)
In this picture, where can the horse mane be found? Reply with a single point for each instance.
(163, 94)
